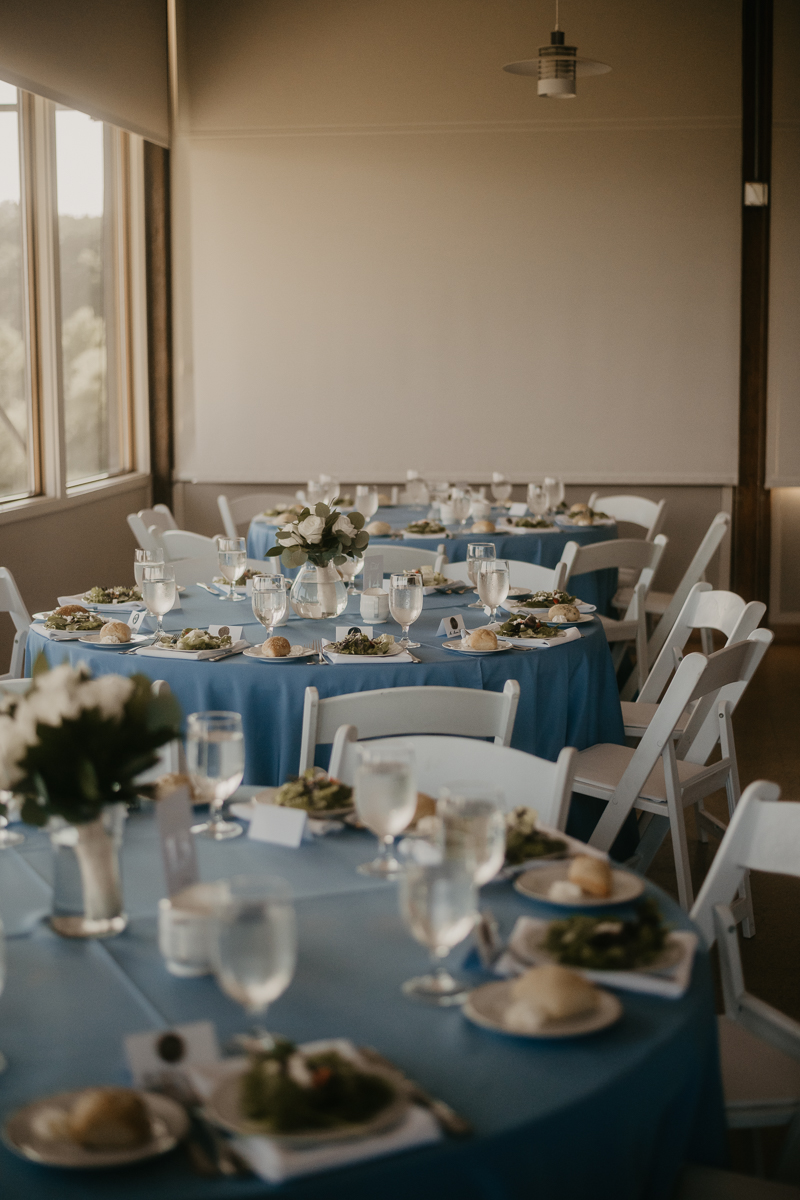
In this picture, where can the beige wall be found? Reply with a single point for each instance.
(390, 253)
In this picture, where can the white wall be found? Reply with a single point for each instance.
(390, 253)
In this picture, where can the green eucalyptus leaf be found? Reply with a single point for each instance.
(273, 552)
(356, 519)
(361, 540)
(321, 509)
(339, 559)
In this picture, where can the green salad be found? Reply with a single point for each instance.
(74, 621)
(548, 599)
(524, 841)
(314, 791)
(286, 1091)
(607, 944)
(532, 523)
(425, 527)
(358, 643)
(527, 627)
(194, 639)
(112, 595)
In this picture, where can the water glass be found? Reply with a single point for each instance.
(254, 945)
(461, 504)
(405, 604)
(438, 903)
(366, 500)
(478, 552)
(554, 490)
(3, 1063)
(493, 579)
(232, 554)
(501, 492)
(270, 600)
(537, 499)
(215, 761)
(348, 571)
(385, 796)
(472, 826)
(143, 558)
(158, 591)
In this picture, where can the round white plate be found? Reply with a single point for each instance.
(267, 796)
(584, 617)
(223, 1109)
(569, 523)
(255, 652)
(392, 652)
(93, 639)
(441, 535)
(529, 948)
(168, 1120)
(515, 530)
(486, 1006)
(512, 591)
(538, 612)
(625, 886)
(525, 643)
(456, 644)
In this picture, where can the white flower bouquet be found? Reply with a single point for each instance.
(321, 537)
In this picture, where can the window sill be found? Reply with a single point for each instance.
(41, 506)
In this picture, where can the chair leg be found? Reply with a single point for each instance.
(788, 1169)
(707, 641)
(649, 843)
(677, 825)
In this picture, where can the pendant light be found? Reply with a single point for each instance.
(557, 66)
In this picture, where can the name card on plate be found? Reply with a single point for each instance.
(234, 630)
(174, 820)
(448, 626)
(343, 630)
(518, 510)
(372, 575)
(282, 826)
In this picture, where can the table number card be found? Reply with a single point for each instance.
(449, 626)
(136, 618)
(174, 819)
(281, 826)
(234, 630)
(155, 1053)
(518, 510)
(372, 575)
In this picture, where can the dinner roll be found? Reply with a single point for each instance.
(482, 639)
(548, 993)
(583, 519)
(379, 528)
(69, 610)
(383, 499)
(426, 807)
(275, 647)
(592, 875)
(561, 613)
(483, 527)
(110, 1119)
(115, 631)
(286, 518)
(579, 508)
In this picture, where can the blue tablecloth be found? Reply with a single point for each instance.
(611, 1116)
(568, 695)
(544, 549)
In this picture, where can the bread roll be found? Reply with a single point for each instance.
(482, 639)
(379, 528)
(286, 518)
(483, 527)
(110, 1119)
(69, 610)
(275, 647)
(115, 631)
(549, 993)
(426, 807)
(579, 508)
(561, 613)
(383, 499)
(583, 519)
(592, 875)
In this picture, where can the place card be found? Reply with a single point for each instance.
(136, 618)
(372, 575)
(448, 626)
(282, 826)
(343, 630)
(234, 630)
(155, 1053)
(174, 822)
(518, 510)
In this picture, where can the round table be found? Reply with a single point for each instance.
(568, 694)
(612, 1116)
(543, 548)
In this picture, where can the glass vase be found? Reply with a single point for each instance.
(87, 883)
(318, 592)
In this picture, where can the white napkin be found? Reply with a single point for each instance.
(570, 635)
(316, 826)
(364, 658)
(671, 983)
(60, 635)
(191, 655)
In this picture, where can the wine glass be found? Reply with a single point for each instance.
(3, 1063)
(405, 604)
(158, 591)
(270, 600)
(143, 558)
(478, 552)
(385, 795)
(348, 571)
(472, 824)
(215, 761)
(461, 504)
(501, 491)
(366, 500)
(554, 490)
(493, 581)
(439, 906)
(329, 489)
(232, 554)
(537, 499)
(313, 493)
(254, 947)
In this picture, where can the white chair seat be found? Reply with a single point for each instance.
(618, 631)
(656, 602)
(756, 1074)
(602, 766)
(637, 715)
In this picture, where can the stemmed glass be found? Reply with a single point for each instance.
(405, 604)
(366, 500)
(348, 571)
(158, 591)
(3, 1063)
(472, 825)
(215, 761)
(254, 947)
(461, 504)
(554, 490)
(537, 499)
(439, 906)
(270, 600)
(501, 491)
(493, 582)
(8, 837)
(437, 493)
(146, 558)
(329, 489)
(232, 554)
(386, 798)
(313, 493)
(478, 552)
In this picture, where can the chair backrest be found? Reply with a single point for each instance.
(633, 553)
(634, 510)
(159, 515)
(704, 609)
(241, 511)
(182, 543)
(703, 730)
(14, 687)
(439, 762)
(146, 539)
(11, 602)
(388, 712)
(523, 574)
(406, 558)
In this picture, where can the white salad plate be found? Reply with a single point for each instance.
(514, 531)
(582, 608)
(528, 945)
(528, 643)
(487, 1006)
(22, 1133)
(295, 653)
(441, 535)
(457, 644)
(93, 639)
(394, 649)
(536, 884)
(512, 591)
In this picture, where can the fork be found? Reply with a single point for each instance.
(316, 646)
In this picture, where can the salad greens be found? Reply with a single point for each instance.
(74, 621)
(608, 944)
(527, 627)
(358, 643)
(194, 639)
(548, 599)
(532, 523)
(112, 595)
(524, 841)
(315, 792)
(425, 527)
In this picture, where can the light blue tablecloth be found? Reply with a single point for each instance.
(611, 1116)
(544, 549)
(568, 693)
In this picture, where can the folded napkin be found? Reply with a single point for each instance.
(315, 826)
(669, 982)
(192, 655)
(60, 635)
(124, 606)
(364, 658)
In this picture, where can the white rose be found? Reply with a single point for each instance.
(109, 694)
(292, 540)
(311, 529)
(344, 525)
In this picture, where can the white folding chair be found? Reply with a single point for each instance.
(661, 778)
(704, 609)
(633, 510)
(760, 1045)
(439, 762)
(406, 558)
(182, 543)
(11, 602)
(159, 515)
(13, 687)
(523, 574)
(146, 539)
(240, 512)
(465, 712)
(639, 556)
(149, 523)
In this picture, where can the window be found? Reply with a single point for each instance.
(66, 378)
